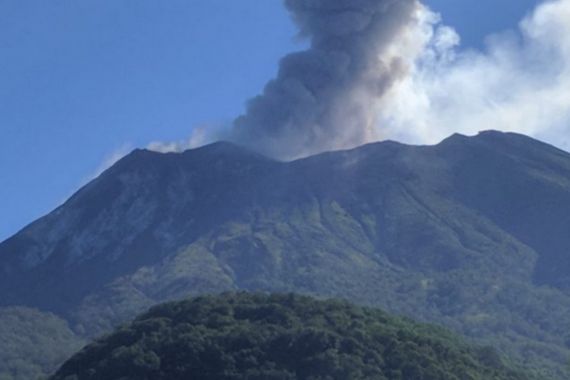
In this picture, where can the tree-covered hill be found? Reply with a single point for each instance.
(280, 337)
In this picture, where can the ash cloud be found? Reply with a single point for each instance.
(327, 96)
(391, 69)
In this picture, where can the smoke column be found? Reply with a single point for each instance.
(391, 69)
(327, 96)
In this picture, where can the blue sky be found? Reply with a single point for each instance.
(81, 80)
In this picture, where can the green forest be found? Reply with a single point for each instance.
(239, 336)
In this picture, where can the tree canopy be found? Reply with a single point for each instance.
(238, 336)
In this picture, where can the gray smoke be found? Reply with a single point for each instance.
(326, 97)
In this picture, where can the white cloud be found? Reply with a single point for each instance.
(520, 82)
(199, 137)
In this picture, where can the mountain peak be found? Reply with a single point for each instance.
(226, 149)
(510, 143)
(485, 135)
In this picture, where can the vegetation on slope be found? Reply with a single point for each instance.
(280, 337)
(33, 343)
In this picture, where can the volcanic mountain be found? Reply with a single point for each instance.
(472, 233)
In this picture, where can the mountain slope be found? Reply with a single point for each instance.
(471, 233)
(32, 342)
(240, 336)
(140, 210)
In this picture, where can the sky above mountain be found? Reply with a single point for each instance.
(82, 83)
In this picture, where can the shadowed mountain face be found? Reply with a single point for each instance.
(473, 233)
(139, 212)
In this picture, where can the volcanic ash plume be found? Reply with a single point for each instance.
(327, 96)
